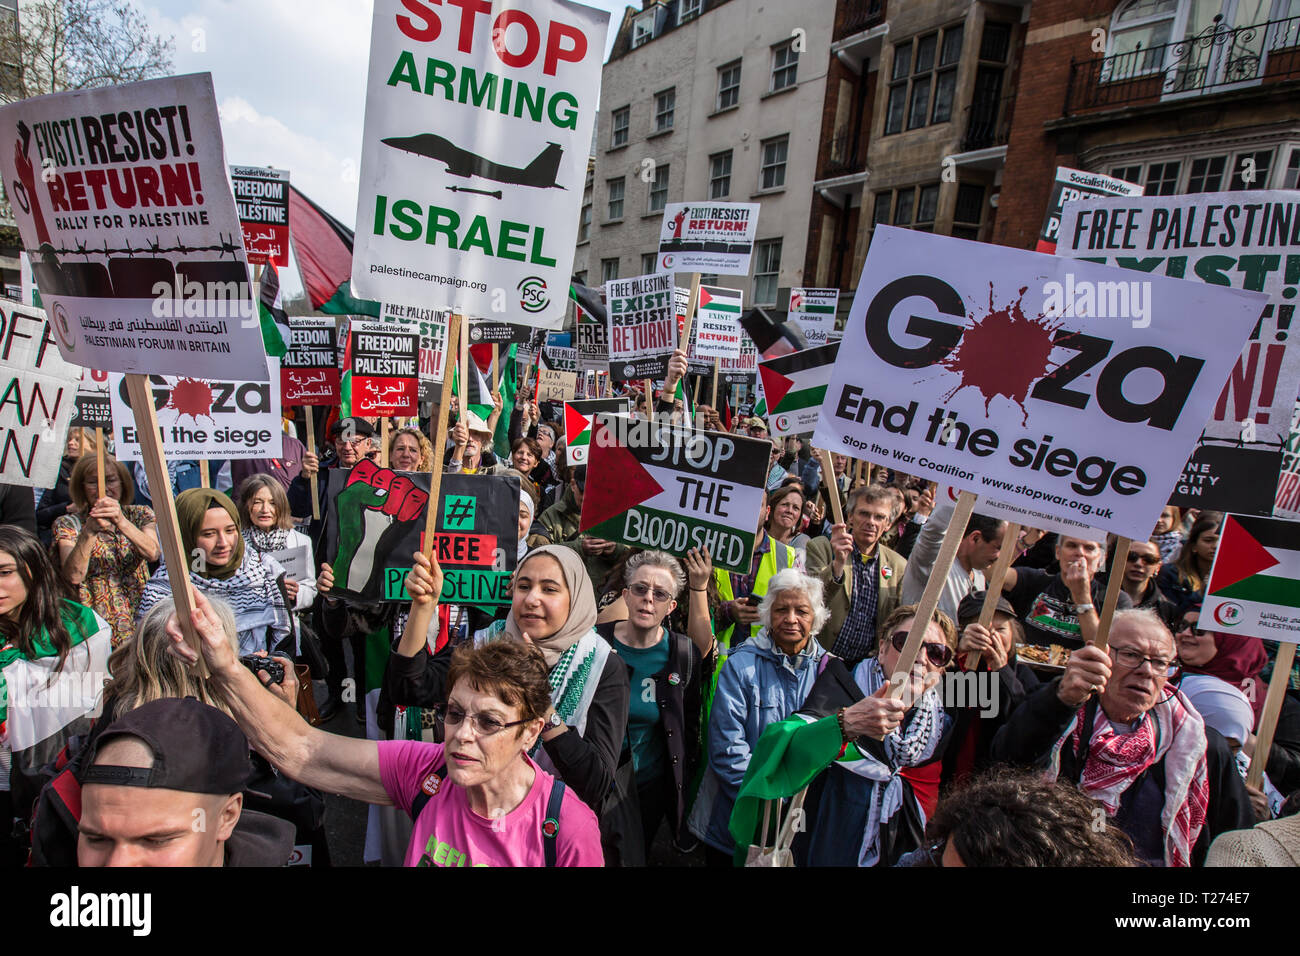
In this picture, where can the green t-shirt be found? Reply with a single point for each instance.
(644, 728)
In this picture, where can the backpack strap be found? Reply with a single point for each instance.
(551, 825)
(422, 798)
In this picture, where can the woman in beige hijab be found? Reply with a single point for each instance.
(554, 608)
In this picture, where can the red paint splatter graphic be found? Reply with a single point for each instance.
(193, 398)
(1003, 353)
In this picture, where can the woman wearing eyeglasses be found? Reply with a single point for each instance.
(552, 608)
(872, 761)
(666, 670)
(477, 799)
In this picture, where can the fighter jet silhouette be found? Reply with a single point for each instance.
(540, 173)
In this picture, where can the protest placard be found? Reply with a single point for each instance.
(309, 371)
(695, 365)
(642, 326)
(1243, 240)
(93, 408)
(591, 338)
(122, 203)
(717, 329)
(431, 326)
(477, 538)
(1254, 586)
(556, 386)
(474, 154)
(384, 361)
(37, 401)
(742, 370)
(794, 387)
(714, 238)
(204, 418)
(655, 485)
(1077, 185)
(1287, 502)
(498, 333)
(262, 202)
(296, 562)
(578, 416)
(959, 364)
(813, 310)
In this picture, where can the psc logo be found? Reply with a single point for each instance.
(532, 294)
(782, 423)
(668, 261)
(475, 332)
(1228, 614)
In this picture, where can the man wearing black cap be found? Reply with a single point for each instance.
(353, 439)
(164, 787)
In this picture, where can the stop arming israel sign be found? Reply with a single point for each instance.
(478, 126)
(654, 485)
(985, 384)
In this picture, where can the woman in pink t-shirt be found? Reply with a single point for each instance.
(477, 800)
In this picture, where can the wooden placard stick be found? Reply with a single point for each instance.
(717, 374)
(930, 596)
(205, 477)
(462, 369)
(1268, 719)
(993, 584)
(164, 507)
(99, 459)
(422, 614)
(692, 303)
(496, 366)
(311, 447)
(648, 385)
(383, 441)
(1113, 586)
(831, 485)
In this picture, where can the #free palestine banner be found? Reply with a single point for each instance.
(474, 156)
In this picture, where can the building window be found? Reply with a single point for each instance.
(995, 41)
(785, 65)
(771, 174)
(665, 103)
(1162, 179)
(709, 278)
(1130, 174)
(1139, 30)
(608, 269)
(659, 189)
(927, 204)
(1250, 170)
(648, 262)
(720, 175)
(618, 133)
(615, 189)
(1292, 177)
(688, 10)
(767, 271)
(728, 85)
(584, 221)
(914, 207)
(643, 29)
(1207, 174)
(970, 204)
(923, 81)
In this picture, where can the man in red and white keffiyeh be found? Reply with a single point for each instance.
(1137, 747)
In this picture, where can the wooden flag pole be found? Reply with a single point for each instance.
(692, 304)
(1268, 719)
(832, 486)
(383, 441)
(422, 614)
(462, 369)
(496, 366)
(164, 507)
(205, 478)
(311, 447)
(99, 460)
(993, 585)
(699, 383)
(1113, 587)
(930, 596)
(717, 374)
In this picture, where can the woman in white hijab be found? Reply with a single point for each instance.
(553, 608)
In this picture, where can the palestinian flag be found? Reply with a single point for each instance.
(773, 338)
(1257, 563)
(275, 324)
(509, 389)
(41, 707)
(578, 417)
(588, 300)
(479, 400)
(793, 388)
(322, 247)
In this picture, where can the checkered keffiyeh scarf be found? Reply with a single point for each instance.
(1171, 731)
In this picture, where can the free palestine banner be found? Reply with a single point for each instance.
(262, 198)
(122, 203)
(1254, 587)
(962, 362)
(474, 155)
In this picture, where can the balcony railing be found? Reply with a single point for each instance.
(843, 156)
(859, 15)
(989, 122)
(1217, 59)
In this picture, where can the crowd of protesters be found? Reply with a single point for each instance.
(626, 707)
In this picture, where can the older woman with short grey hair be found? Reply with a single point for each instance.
(763, 681)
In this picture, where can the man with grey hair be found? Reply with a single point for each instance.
(1113, 726)
(763, 681)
